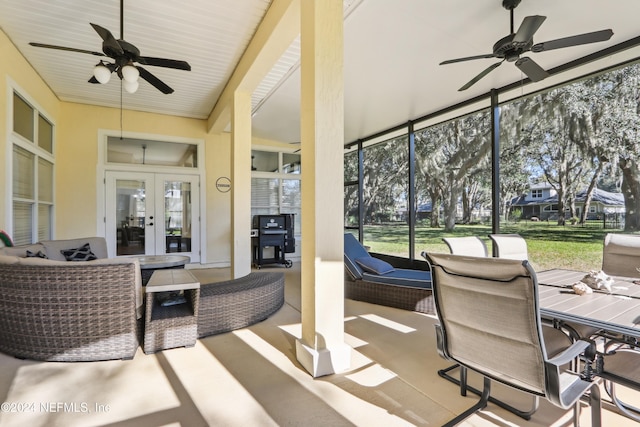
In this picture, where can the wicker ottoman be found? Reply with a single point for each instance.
(171, 325)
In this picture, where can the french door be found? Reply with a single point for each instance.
(152, 214)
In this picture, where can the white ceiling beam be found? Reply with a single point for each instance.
(280, 26)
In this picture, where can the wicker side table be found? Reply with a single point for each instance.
(175, 325)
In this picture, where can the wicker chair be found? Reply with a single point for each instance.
(68, 311)
(490, 323)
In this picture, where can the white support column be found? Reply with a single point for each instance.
(240, 184)
(322, 350)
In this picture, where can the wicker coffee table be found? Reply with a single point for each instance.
(171, 314)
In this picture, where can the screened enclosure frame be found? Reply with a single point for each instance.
(492, 98)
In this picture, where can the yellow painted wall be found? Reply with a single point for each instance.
(13, 67)
(77, 156)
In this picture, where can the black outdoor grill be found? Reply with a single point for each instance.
(272, 231)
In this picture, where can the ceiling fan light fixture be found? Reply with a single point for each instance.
(102, 73)
(130, 73)
(130, 87)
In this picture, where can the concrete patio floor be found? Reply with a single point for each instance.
(250, 377)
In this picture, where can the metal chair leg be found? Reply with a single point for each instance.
(462, 382)
(482, 403)
(628, 410)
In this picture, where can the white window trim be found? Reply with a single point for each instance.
(13, 138)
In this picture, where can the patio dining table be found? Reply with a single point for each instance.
(617, 312)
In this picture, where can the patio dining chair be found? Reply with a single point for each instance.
(514, 246)
(621, 255)
(509, 246)
(490, 323)
(621, 367)
(467, 245)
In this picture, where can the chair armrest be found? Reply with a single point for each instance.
(564, 388)
(575, 350)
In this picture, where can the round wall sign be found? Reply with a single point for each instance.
(223, 184)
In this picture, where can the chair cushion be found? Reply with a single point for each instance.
(38, 254)
(82, 253)
(21, 251)
(401, 277)
(54, 248)
(374, 265)
(353, 250)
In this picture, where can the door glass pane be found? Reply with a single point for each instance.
(22, 118)
(178, 210)
(130, 216)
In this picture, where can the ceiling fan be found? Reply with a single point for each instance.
(126, 57)
(510, 48)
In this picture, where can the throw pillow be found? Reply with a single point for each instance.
(374, 265)
(83, 253)
(6, 239)
(39, 254)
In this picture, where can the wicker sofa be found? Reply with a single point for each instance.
(58, 310)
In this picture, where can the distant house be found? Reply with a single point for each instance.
(541, 201)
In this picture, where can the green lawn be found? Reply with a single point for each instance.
(550, 245)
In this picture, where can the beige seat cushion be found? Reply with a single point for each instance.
(21, 251)
(53, 247)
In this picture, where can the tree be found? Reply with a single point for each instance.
(453, 158)
(385, 169)
(516, 171)
(350, 191)
(556, 151)
(610, 102)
